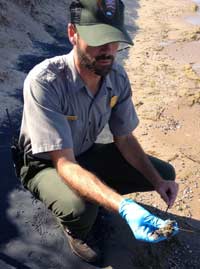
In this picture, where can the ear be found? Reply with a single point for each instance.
(72, 34)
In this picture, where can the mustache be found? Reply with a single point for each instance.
(104, 57)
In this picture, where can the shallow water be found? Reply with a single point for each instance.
(195, 19)
(196, 68)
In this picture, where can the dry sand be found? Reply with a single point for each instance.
(164, 69)
(167, 94)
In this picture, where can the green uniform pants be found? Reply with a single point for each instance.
(72, 211)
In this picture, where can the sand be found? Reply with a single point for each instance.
(167, 97)
(164, 70)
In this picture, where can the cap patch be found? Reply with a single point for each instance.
(108, 7)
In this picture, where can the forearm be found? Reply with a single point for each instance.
(89, 186)
(134, 154)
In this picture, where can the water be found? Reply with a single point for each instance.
(195, 19)
(196, 68)
(166, 43)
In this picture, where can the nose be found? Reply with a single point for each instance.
(109, 48)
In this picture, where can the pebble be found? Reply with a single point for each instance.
(187, 191)
(179, 208)
(144, 134)
(189, 214)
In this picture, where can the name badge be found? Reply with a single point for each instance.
(72, 117)
(113, 101)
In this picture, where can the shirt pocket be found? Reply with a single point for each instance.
(76, 125)
(77, 131)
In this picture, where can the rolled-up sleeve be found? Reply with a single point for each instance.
(46, 124)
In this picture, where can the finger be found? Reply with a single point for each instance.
(172, 195)
(165, 197)
(144, 233)
(155, 222)
(153, 239)
(176, 230)
(141, 233)
(172, 200)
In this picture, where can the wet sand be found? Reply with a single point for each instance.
(164, 73)
(168, 96)
(164, 70)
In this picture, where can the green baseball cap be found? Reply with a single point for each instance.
(99, 22)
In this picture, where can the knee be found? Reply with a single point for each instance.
(74, 208)
(170, 173)
(64, 207)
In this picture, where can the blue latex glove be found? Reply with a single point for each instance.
(142, 222)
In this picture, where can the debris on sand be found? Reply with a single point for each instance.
(166, 231)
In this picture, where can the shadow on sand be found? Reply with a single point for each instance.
(36, 240)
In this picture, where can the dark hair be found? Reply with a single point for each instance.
(75, 11)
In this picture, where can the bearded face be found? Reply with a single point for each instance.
(99, 64)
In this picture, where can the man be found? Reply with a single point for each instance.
(67, 102)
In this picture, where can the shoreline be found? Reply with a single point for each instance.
(166, 93)
(166, 89)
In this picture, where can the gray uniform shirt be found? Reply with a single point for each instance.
(60, 112)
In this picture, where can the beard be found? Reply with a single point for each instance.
(92, 63)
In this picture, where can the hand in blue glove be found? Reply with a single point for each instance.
(142, 223)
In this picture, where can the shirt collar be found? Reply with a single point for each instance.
(75, 78)
(108, 82)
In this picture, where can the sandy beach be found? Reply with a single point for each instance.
(164, 70)
(165, 74)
